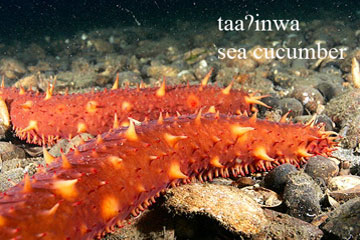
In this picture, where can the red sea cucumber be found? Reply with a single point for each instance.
(42, 119)
(85, 193)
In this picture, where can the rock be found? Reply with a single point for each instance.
(10, 178)
(291, 104)
(310, 97)
(271, 101)
(22, 163)
(65, 145)
(11, 68)
(185, 76)
(344, 110)
(321, 167)
(283, 226)
(195, 55)
(129, 78)
(328, 90)
(28, 81)
(264, 197)
(277, 178)
(329, 125)
(76, 79)
(236, 212)
(102, 46)
(344, 221)
(302, 196)
(285, 80)
(201, 69)
(346, 194)
(245, 65)
(343, 182)
(160, 71)
(10, 151)
(243, 182)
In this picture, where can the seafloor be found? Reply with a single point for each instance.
(317, 201)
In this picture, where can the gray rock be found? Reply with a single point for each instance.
(320, 167)
(287, 104)
(344, 221)
(302, 196)
(277, 178)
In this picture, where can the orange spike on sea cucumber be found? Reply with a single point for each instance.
(161, 91)
(49, 92)
(239, 130)
(198, 117)
(255, 100)
(212, 109)
(51, 211)
(66, 188)
(175, 171)
(81, 128)
(4, 113)
(260, 152)
(172, 140)
(253, 118)
(161, 119)
(215, 162)
(130, 133)
(116, 122)
(27, 184)
(32, 126)
(47, 156)
(302, 152)
(65, 162)
(206, 78)
(27, 105)
(3, 81)
(283, 118)
(116, 83)
(21, 91)
(99, 139)
(226, 91)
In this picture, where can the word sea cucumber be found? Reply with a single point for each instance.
(85, 193)
(96, 113)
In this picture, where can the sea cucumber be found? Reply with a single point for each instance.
(44, 118)
(85, 193)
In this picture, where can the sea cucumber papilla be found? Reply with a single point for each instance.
(85, 193)
(45, 118)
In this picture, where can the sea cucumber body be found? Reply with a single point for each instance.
(61, 116)
(88, 191)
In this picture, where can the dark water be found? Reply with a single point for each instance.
(31, 19)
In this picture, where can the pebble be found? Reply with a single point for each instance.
(263, 196)
(328, 90)
(277, 178)
(343, 182)
(287, 104)
(160, 71)
(302, 196)
(76, 79)
(283, 226)
(10, 151)
(12, 68)
(344, 221)
(10, 178)
(310, 97)
(129, 78)
(237, 211)
(321, 167)
(344, 110)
